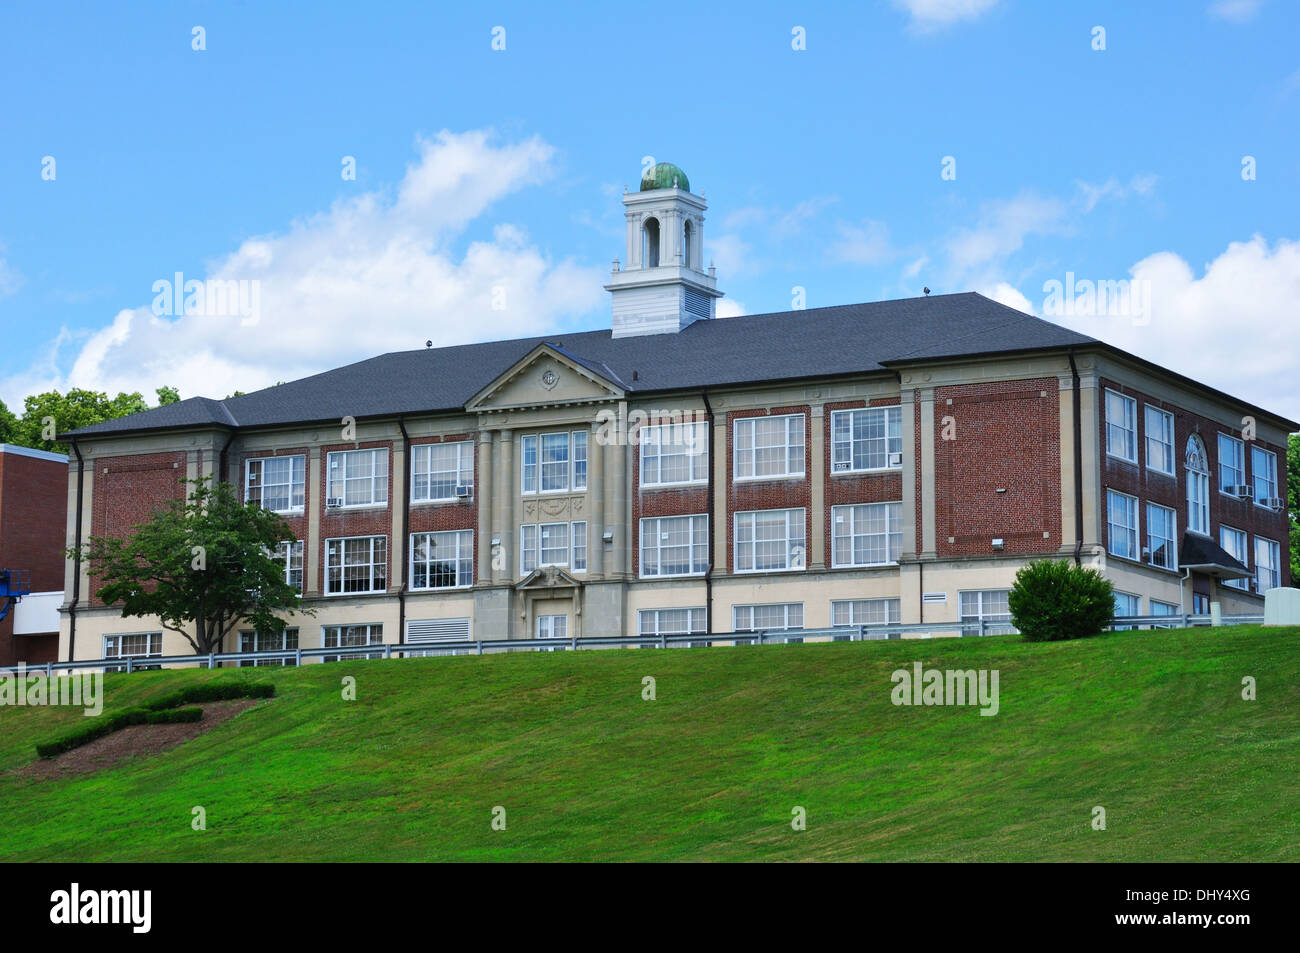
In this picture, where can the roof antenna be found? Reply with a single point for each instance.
(428, 344)
(926, 290)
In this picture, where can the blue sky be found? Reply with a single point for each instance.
(479, 169)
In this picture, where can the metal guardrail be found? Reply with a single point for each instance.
(852, 633)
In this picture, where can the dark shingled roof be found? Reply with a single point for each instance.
(1201, 551)
(819, 342)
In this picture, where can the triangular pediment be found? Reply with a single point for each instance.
(547, 577)
(545, 377)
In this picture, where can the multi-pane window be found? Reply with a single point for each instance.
(1163, 608)
(553, 544)
(867, 439)
(1198, 486)
(851, 612)
(674, 453)
(286, 640)
(1263, 466)
(1127, 604)
(1234, 544)
(985, 605)
(276, 483)
(768, 540)
(1232, 464)
(671, 621)
(134, 645)
(351, 636)
(442, 471)
(291, 553)
(866, 534)
(674, 546)
(1122, 520)
(769, 447)
(552, 627)
(1160, 440)
(780, 615)
(1268, 573)
(1121, 426)
(442, 560)
(356, 564)
(1162, 536)
(357, 477)
(553, 462)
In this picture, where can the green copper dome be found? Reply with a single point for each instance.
(664, 175)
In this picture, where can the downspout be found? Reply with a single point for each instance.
(1078, 458)
(222, 472)
(76, 559)
(221, 459)
(406, 537)
(920, 576)
(708, 572)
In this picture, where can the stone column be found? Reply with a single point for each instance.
(503, 492)
(926, 463)
(312, 544)
(596, 495)
(817, 498)
(484, 501)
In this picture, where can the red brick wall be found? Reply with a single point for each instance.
(661, 501)
(854, 488)
(1148, 486)
(297, 521)
(443, 517)
(777, 494)
(128, 490)
(33, 518)
(1007, 436)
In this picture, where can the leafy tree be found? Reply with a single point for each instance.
(1053, 599)
(52, 412)
(8, 424)
(203, 563)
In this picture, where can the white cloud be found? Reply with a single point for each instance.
(976, 255)
(728, 308)
(930, 15)
(10, 279)
(1236, 11)
(866, 243)
(1091, 194)
(371, 274)
(1006, 294)
(731, 254)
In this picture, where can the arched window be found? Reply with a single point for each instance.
(1197, 463)
(650, 243)
(688, 235)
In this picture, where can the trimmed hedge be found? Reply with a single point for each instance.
(1053, 600)
(166, 710)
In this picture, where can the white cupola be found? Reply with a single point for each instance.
(662, 287)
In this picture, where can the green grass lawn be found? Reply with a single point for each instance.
(1149, 725)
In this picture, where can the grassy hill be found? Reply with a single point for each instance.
(1149, 725)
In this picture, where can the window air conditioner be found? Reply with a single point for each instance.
(895, 459)
(1246, 492)
(464, 491)
(334, 501)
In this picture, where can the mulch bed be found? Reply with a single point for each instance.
(133, 742)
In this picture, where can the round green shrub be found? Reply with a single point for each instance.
(1053, 599)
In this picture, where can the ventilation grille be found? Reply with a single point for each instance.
(696, 303)
(437, 630)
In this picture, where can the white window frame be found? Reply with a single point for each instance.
(551, 626)
(1239, 550)
(112, 645)
(1171, 542)
(533, 476)
(1127, 427)
(1268, 480)
(374, 635)
(297, 483)
(1167, 609)
(1135, 603)
(1164, 427)
(855, 612)
(1131, 506)
(291, 551)
(253, 641)
(1233, 460)
(570, 532)
(842, 444)
(422, 459)
(847, 517)
(795, 545)
(1198, 487)
(652, 530)
(787, 612)
(694, 449)
(788, 447)
(337, 487)
(460, 542)
(668, 621)
(341, 554)
(1272, 565)
(988, 606)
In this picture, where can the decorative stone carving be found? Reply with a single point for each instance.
(550, 379)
